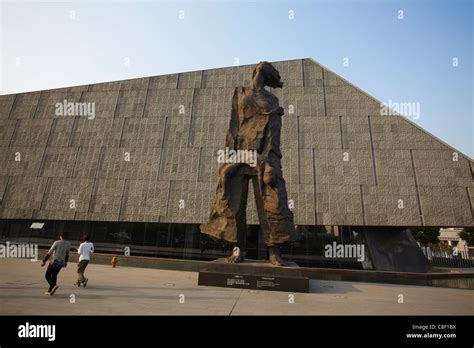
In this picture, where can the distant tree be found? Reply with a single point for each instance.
(468, 235)
(426, 236)
(441, 247)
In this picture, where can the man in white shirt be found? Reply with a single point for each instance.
(84, 251)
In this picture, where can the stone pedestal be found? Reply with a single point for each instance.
(254, 274)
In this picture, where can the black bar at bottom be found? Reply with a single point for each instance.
(219, 330)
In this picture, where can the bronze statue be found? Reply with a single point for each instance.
(254, 127)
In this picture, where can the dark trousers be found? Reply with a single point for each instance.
(81, 268)
(52, 274)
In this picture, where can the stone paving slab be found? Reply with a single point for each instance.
(144, 291)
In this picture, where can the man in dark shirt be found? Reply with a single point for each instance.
(60, 255)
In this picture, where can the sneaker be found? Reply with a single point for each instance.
(54, 290)
(85, 282)
(77, 283)
(47, 293)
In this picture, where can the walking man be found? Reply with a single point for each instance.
(59, 254)
(84, 251)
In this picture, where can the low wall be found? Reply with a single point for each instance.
(440, 278)
(140, 261)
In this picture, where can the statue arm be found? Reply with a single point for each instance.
(231, 136)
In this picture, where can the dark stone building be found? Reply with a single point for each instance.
(142, 171)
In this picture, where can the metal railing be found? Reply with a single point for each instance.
(456, 258)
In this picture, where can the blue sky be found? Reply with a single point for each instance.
(64, 43)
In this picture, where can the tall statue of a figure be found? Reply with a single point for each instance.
(255, 126)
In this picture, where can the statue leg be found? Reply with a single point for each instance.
(238, 204)
(222, 224)
(274, 256)
(276, 219)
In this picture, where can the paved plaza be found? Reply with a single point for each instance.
(143, 291)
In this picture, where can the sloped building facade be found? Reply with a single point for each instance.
(149, 156)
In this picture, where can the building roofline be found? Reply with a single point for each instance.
(278, 61)
(397, 114)
(145, 77)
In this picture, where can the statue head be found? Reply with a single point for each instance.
(271, 76)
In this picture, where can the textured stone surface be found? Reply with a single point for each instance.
(172, 127)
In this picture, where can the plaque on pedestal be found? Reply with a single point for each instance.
(254, 274)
